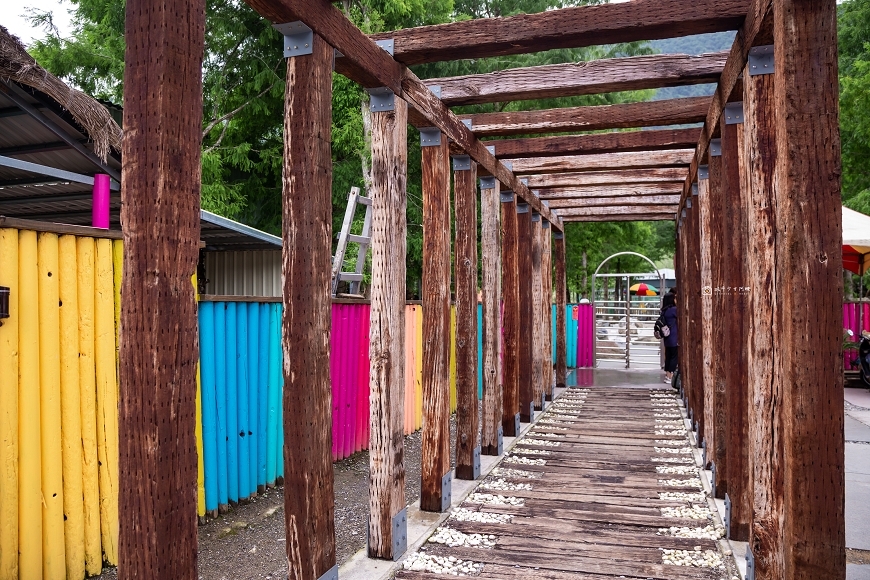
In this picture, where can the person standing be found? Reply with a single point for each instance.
(669, 315)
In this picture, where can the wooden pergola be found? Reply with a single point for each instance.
(755, 193)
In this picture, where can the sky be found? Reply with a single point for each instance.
(15, 12)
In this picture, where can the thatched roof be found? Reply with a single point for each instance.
(16, 65)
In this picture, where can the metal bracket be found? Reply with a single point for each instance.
(475, 465)
(727, 516)
(388, 45)
(761, 60)
(715, 147)
(531, 414)
(298, 38)
(517, 425)
(683, 215)
(467, 123)
(400, 534)
(331, 574)
(558, 236)
(500, 436)
(487, 183)
(447, 488)
(436, 90)
(382, 100)
(694, 189)
(750, 564)
(461, 162)
(509, 165)
(697, 431)
(491, 149)
(430, 137)
(691, 415)
(704, 453)
(703, 172)
(689, 203)
(524, 180)
(543, 401)
(713, 481)
(522, 207)
(536, 217)
(506, 196)
(734, 113)
(545, 225)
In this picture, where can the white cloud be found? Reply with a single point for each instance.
(15, 14)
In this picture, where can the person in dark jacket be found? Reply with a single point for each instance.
(669, 312)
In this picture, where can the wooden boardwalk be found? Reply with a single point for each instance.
(585, 494)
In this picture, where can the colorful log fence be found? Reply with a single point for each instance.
(854, 319)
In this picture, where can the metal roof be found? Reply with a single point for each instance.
(33, 138)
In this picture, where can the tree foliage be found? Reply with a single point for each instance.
(854, 41)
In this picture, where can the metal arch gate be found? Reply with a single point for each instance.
(624, 324)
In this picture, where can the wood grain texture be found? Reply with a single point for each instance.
(526, 313)
(809, 224)
(581, 78)
(617, 210)
(436, 323)
(561, 322)
(511, 320)
(546, 305)
(705, 332)
(590, 118)
(158, 346)
(566, 28)
(537, 298)
(387, 327)
(735, 190)
(666, 176)
(490, 249)
(633, 160)
(671, 201)
(309, 510)
(628, 190)
(467, 425)
(596, 143)
(641, 217)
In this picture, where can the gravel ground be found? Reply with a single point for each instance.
(248, 542)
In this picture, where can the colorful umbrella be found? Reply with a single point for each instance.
(643, 290)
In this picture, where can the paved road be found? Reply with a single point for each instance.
(858, 477)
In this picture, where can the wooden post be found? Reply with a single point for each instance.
(705, 330)
(158, 346)
(561, 322)
(796, 418)
(717, 211)
(696, 321)
(511, 321)
(525, 347)
(309, 501)
(467, 425)
(734, 310)
(387, 333)
(436, 320)
(537, 321)
(547, 306)
(492, 431)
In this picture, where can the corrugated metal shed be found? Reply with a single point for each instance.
(248, 273)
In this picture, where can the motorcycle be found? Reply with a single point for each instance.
(862, 361)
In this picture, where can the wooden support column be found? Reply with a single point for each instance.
(510, 274)
(796, 418)
(434, 496)
(734, 310)
(387, 333)
(561, 321)
(158, 346)
(467, 425)
(705, 329)
(717, 210)
(309, 501)
(526, 322)
(492, 432)
(547, 309)
(537, 321)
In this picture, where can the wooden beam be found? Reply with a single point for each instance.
(640, 160)
(727, 82)
(309, 501)
(705, 331)
(616, 210)
(525, 319)
(633, 177)
(561, 315)
(387, 329)
(645, 217)
(490, 247)
(596, 143)
(591, 118)
(511, 329)
(642, 200)
(546, 305)
(596, 191)
(436, 325)
(467, 426)
(372, 67)
(591, 77)
(566, 28)
(537, 299)
(158, 347)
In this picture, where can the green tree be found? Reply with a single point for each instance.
(854, 44)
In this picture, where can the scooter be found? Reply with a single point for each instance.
(863, 359)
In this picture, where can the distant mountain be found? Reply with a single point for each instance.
(697, 44)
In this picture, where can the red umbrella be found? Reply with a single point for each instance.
(643, 290)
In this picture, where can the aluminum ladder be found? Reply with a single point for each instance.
(344, 237)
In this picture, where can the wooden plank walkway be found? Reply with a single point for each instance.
(589, 493)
